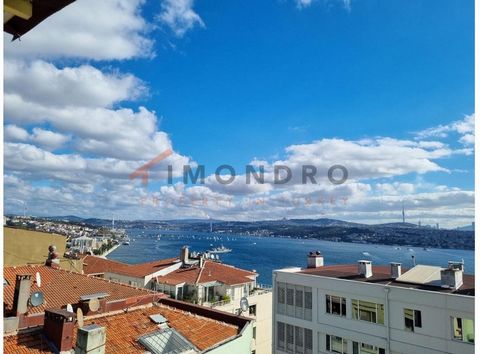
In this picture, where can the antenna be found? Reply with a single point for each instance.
(80, 317)
(244, 306)
(37, 299)
(38, 279)
(94, 305)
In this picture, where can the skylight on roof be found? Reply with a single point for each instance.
(158, 318)
(167, 341)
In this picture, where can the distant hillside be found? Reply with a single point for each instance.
(466, 228)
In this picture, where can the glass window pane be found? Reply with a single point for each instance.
(468, 331)
(289, 337)
(281, 335)
(308, 298)
(299, 340)
(299, 298)
(408, 315)
(418, 318)
(457, 328)
(290, 297)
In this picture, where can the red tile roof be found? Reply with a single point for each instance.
(124, 329)
(98, 265)
(61, 287)
(31, 342)
(212, 271)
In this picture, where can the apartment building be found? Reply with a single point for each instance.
(365, 309)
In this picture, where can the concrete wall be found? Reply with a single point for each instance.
(263, 319)
(437, 309)
(239, 345)
(23, 247)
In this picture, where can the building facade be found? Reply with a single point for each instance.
(368, 309)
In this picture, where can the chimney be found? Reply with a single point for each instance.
(395, 270)
(23, 284)
(91, 339)
(184, 255)
(58, 328)
(314, 259)
(452, 277)
(201, 262)
(365, 268)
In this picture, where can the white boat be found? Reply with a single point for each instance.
(126, 242)
(221, 249)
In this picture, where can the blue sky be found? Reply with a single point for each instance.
(234, 81)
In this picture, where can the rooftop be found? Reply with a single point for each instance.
(381, 275)
(201, 331)
(99, 265)
(212, 271)
(61, 287)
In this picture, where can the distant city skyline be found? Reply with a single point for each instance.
(385, 89)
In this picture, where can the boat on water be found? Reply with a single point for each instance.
(221, 249)
(126, 242)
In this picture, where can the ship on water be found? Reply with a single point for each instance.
(221, 249)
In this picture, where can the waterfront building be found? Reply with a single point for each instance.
(361, 308)
(113, 318)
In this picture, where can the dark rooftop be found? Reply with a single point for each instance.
(381, 275)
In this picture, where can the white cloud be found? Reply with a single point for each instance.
(464, 127)
(179, 16)
(45, 138)
(43, 83)
(99, 30)
(48, 139)
(13, 133)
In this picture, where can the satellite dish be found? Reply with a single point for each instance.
(69, 308)
(37, 299)
(94, 305)
(38, 279)
(80, 317)
(244, 304)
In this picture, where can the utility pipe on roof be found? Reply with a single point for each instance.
(387, 317)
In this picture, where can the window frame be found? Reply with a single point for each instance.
(329, 305)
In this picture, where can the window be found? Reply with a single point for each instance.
(281, 293)
(280, 335)
(254, 332)
(290, 338)
(252, 310)
(413, 318)
(290, 297)
(293, 339)
(308, 304)
(336, 344)
(299, 298)
(362, 348)
(308, 341)
(281, 298)
(367, 311)
(298, 340)
(463, 329)
(336, 305)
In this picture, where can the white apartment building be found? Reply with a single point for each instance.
(365, 309)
